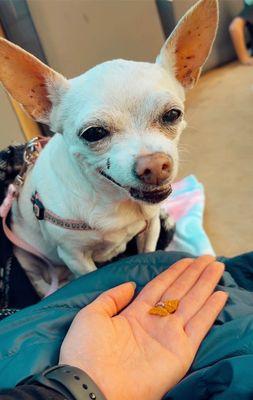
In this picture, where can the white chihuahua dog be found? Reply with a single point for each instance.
(114, 154)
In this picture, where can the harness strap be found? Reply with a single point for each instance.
(4, 211)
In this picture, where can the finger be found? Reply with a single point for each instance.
(197, 328)
(187, 279)
(154, 290)
(114, 300)
(203, 288)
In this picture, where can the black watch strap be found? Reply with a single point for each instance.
(71, 382)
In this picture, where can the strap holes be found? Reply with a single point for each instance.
(85, 386)
(76, 377)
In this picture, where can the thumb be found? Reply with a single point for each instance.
(114, 300)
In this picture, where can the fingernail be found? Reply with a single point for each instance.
(133, 284)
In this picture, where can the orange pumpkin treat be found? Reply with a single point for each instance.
(171, 305)
(158, 310)
(164, 308)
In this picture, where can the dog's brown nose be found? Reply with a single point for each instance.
(154, 168)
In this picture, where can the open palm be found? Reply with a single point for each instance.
(132, 354)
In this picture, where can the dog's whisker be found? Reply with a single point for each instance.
(191, 127)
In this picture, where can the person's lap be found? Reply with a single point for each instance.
(30, 339)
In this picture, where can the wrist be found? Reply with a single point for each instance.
(111, 382)
(73, 383)
(99, 375)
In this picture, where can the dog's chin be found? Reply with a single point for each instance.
(152, 196)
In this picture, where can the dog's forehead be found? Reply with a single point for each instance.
(120, 82)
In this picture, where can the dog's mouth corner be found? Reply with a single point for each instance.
(152, 196)
(109, 178)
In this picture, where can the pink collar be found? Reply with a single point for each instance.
(41, 213)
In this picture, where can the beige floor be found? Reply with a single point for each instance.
(217, 147)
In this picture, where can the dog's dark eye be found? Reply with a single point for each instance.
(171, 116)
(94, 134)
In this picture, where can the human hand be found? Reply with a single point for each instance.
(131, 354)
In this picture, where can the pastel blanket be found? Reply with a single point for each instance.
(186, 206)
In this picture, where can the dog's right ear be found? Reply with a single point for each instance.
(33, 84)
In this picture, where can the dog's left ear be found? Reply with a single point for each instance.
(188, 47)
(33, 84)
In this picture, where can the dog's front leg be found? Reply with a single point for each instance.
(78, 261)
(147, 240)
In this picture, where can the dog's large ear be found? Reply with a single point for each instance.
(186, 50)
(33, 84)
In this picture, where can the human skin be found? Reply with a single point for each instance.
(237, 32)
(131, 354)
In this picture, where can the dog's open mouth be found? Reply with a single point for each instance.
(149, 196)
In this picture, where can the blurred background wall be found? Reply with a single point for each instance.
(10, 128)
(77, 35)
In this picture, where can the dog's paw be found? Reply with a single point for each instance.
(168, 228)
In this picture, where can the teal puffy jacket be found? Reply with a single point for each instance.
(223, 369)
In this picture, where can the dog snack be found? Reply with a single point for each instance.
(164, 308)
